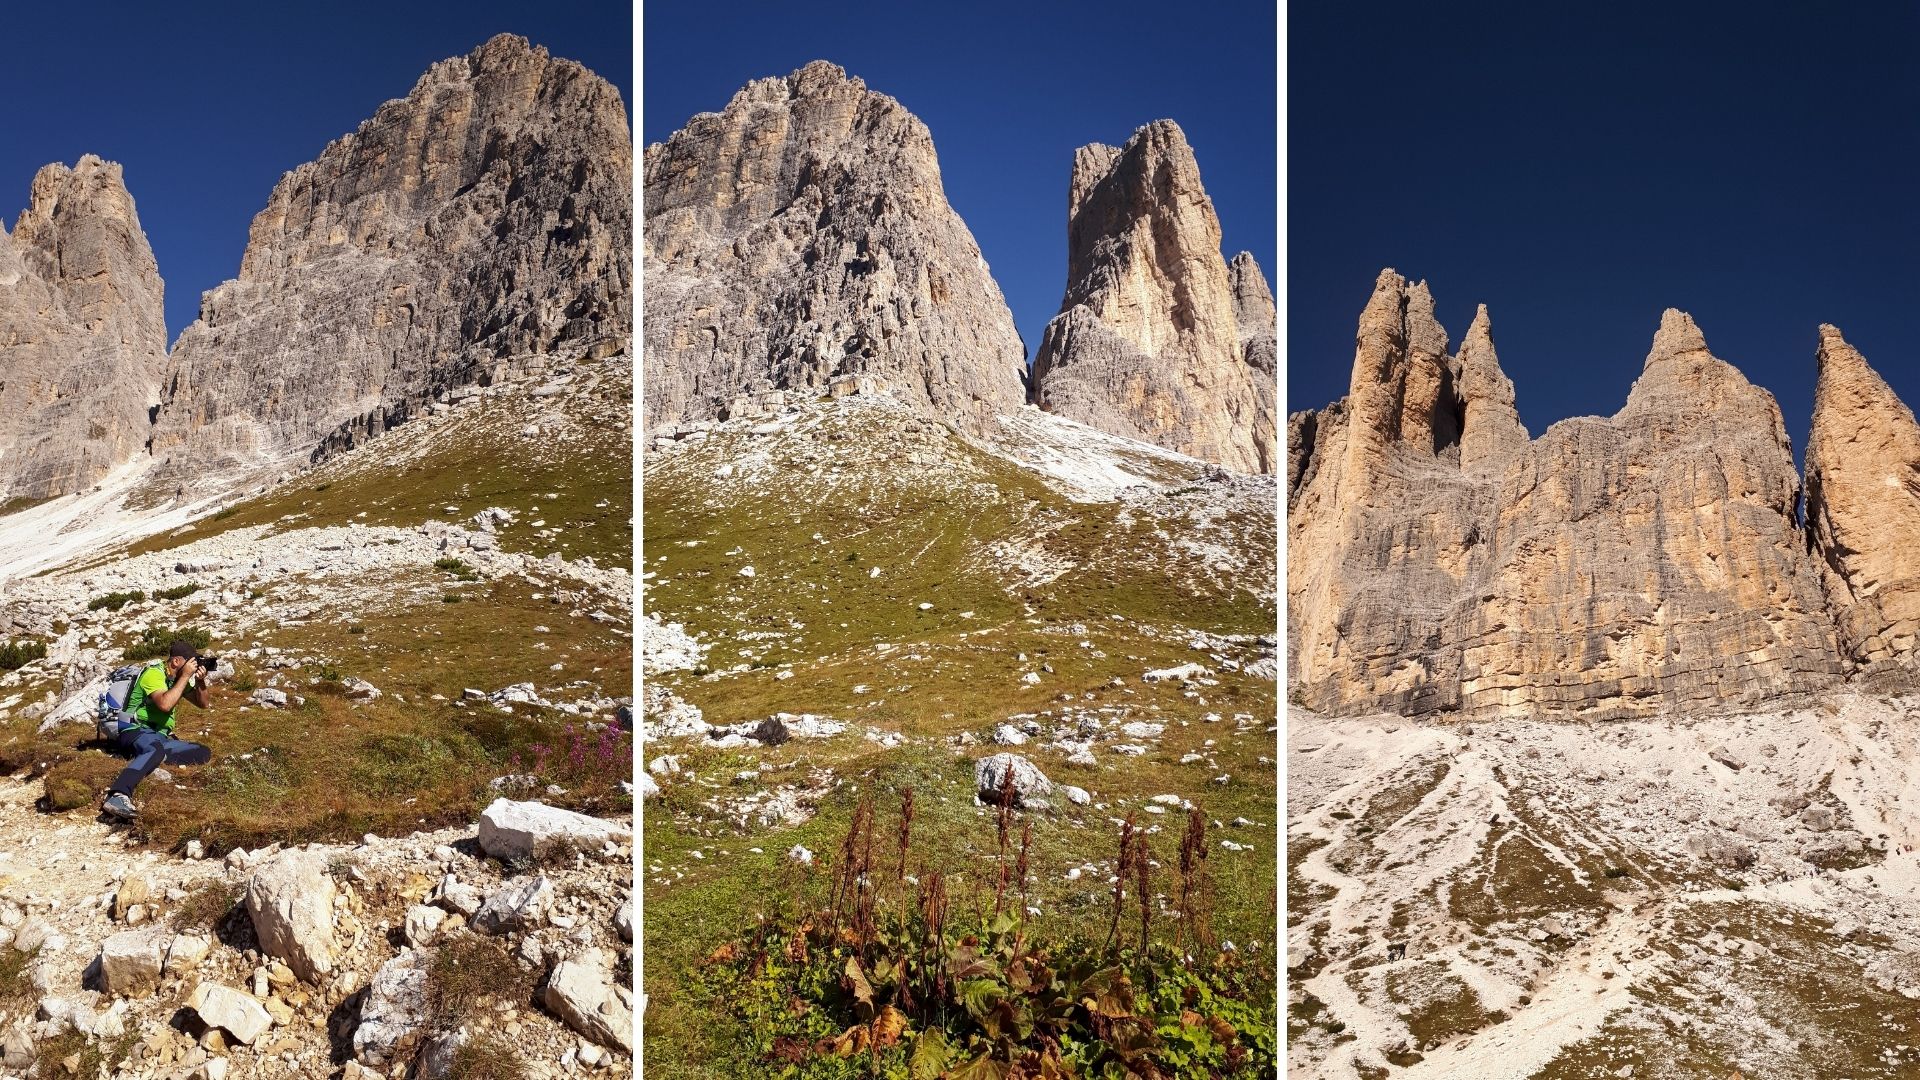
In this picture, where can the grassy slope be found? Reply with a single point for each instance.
(928, 674)
(338, 768)
(478, 458)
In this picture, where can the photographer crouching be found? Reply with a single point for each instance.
(146, 721)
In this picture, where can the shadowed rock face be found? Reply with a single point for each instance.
(82, 333)
(1863, 508)
(478, 228)
(1158, 339)
(803, 234)
(1438, 560)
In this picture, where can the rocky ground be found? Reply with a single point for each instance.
(844, 599)
(316, 961)
(1676, 897)
(418, 630)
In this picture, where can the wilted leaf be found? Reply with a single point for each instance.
(1107, 993)
(725, 954)
(1222, 1030)
(851, 1041)
(1190, 1018)
(888, 1026)
(862, 989)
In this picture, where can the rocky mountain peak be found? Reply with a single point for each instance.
(80, 231)
(1253, 307)
(1863, 506)
(475, 230)
(802, 236)
(1434, 550)
(82, 333)
(1490, 428)
(1148, 343)
(1677, 336)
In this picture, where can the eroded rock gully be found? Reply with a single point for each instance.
(1442, 561)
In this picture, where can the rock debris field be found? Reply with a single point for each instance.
(1647, 898)
(315, 961)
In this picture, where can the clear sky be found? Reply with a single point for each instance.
(207, 104)
(1009, 90)
(1580, 167)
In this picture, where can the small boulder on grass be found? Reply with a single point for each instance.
(1030, 786)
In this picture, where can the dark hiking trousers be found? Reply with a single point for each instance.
(151, 750)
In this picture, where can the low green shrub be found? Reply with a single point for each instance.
(156, 640)
(114, 601)
(177, 592)
(457, 567)
(15, 655)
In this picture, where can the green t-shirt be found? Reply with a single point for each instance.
(152, 681)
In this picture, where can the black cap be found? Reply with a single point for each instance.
(184, 649)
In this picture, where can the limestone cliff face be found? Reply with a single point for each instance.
(803, 234)
(1157, 338)
(1617, 566)
(476, 229)
(82, 333)
(1863, 508)
(1257, 323)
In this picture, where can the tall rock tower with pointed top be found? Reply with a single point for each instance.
(82, 334)
(802, 234)
(1614, 567)
(1863, 508)
(1158, 338)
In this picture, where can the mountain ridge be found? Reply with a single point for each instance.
(1577, 572)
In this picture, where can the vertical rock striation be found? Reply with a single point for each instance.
(1863, 508)
(1438, 560)
(803, 234)
(1157, 338)
(478, 228)
(82, 334)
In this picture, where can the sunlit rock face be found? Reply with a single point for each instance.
(1159, 338)
(803, 235)
(1438, 560)
(82, 334)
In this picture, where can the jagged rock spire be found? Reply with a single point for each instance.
(82, 333)
(1491, 431)
(1438, 561)
(1863, 506)
(478, 229)
(1150, 342)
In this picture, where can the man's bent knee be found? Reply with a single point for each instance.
(187, 753)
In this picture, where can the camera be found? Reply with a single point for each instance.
(208, 663)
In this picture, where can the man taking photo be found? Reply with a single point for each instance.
(151, 702)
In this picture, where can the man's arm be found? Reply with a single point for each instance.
(166, 699)
(197, 693)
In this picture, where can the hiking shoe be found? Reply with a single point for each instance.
(120, 806)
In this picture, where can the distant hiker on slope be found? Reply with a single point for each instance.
(144, 724)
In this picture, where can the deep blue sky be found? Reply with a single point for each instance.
(1009, 90)
(207, 104)
(1579, 168)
